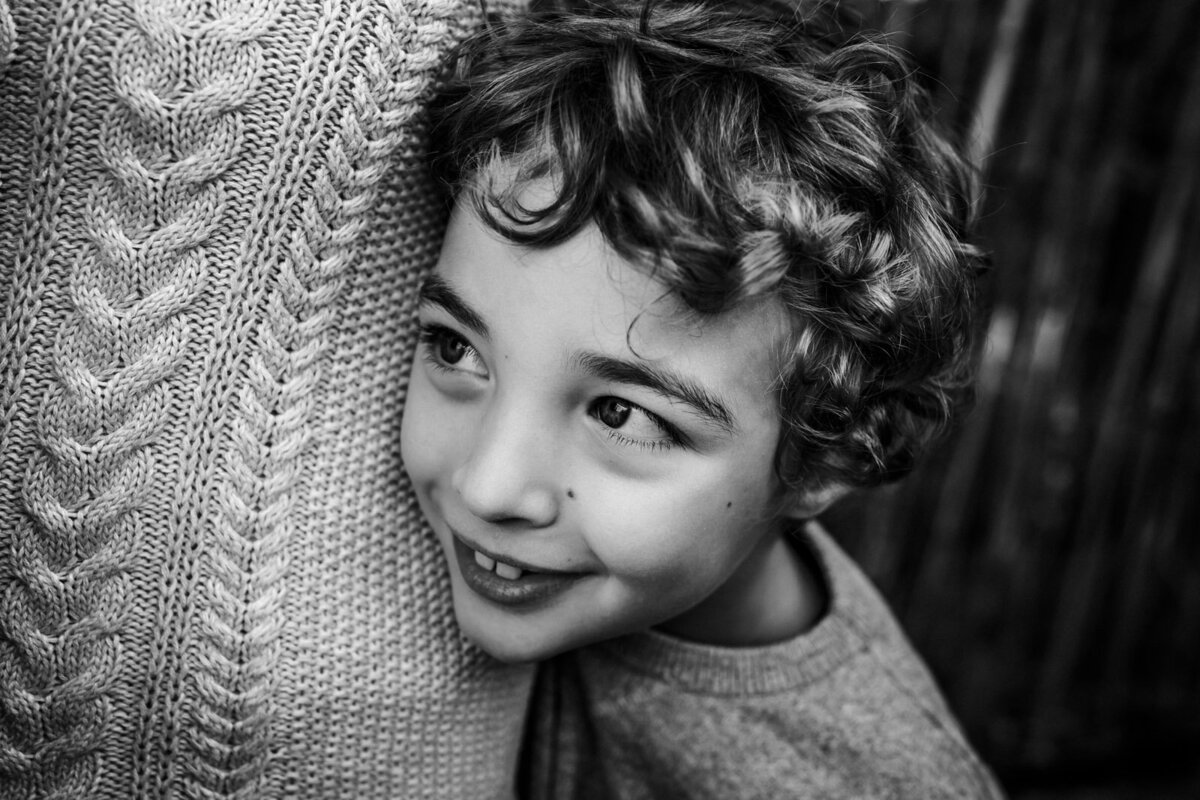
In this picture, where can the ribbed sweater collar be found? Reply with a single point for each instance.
(794, 664)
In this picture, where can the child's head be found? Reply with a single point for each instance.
(730, 243)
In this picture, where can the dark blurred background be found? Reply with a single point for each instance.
(1045, 558)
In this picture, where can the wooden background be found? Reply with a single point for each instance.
(1046, 558)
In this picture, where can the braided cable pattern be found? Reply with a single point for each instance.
(8, 35)
(185, 78)
(214, 582)
(52, 131)
(57, 650)
(417, 668)
(273, 430)
(165, 146)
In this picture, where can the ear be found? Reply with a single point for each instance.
(807, 503)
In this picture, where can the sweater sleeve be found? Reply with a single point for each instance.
(214, 581)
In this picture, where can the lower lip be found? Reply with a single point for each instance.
(532, 588)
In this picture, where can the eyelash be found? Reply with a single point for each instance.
(674, 437)
(641, 444)
(430, 335)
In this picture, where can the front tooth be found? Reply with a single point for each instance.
(507, 571)
(484, 561)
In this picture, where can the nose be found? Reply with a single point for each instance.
(507, 476)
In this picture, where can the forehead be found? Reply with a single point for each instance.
(503, 180)
(582, 295)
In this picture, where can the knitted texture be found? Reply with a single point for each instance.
(8, 34)
(844, 711)
(214, 581)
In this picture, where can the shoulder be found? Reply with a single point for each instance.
(846, 710)
(857, 731)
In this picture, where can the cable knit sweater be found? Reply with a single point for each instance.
(213, 580)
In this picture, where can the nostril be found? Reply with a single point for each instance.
(508, 475)
(506, 497)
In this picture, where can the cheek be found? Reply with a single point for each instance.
(424, 432)
(686, 533)
(647, 535)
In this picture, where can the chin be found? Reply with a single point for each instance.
(513, 652)
(509, 655)
(510, 649)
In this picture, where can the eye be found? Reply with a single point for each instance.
(447, 351)
(630, 424)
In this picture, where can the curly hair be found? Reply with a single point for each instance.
(738, 151)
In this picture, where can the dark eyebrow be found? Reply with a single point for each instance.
(661, 381)
(437, 291)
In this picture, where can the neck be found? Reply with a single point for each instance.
(771, 597)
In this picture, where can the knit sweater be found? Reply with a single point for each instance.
(845, 711)
(214, 581)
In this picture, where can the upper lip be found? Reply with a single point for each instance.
(516, 562)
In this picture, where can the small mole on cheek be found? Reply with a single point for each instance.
(571, 493)
(729, 504)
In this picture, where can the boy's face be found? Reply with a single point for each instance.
(593, 460)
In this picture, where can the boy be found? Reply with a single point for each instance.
(706, 271)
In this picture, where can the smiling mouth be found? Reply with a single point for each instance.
(505, 583)
(506, 571)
